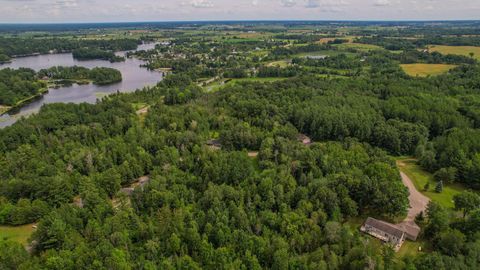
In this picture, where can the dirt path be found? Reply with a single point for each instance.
(418, 201)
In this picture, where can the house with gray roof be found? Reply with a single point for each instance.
(387, 232)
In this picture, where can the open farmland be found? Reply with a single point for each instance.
(460, 50)
(424, 70)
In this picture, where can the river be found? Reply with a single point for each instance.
(134, 77)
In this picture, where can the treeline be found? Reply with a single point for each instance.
(17, 85)
(283, 52)
(22, 212)
(98, 75)
(415, 56)
(455, 242)
(26, 46)
(396, 44)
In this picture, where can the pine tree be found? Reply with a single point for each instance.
(439, 187)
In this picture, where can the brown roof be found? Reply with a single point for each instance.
(411, 230)
(385, 227)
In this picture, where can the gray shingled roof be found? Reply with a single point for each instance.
(384, 227)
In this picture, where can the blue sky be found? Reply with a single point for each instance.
(26, 11)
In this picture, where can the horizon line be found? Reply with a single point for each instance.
(240, 21)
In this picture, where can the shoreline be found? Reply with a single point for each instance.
(22, 102)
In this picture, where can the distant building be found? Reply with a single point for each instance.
(316, 57)
(214, 144)
(304, 139)
(385, 231)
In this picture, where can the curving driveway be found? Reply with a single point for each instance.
(418, 203)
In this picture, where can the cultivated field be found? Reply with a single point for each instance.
(460, 50)
(424, 70)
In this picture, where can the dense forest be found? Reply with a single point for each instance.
(231, 184)
(12, 46)
(98, 75)
(17, 85)
(91, 54)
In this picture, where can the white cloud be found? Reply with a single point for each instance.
(382, 3)
(202, 4)
(288, 3)
(26, 11)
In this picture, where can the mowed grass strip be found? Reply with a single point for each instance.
(19, 234)
(359, 46)
(424, 70)
(459, 50)
(420, 178)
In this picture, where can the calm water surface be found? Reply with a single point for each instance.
(134, 77)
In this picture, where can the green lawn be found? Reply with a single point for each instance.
(420, 177)
(410, 249)
(18, 234)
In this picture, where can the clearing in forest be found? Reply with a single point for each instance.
(424, 70)
(420, 178)
(280, 63)
(460, 50)
(359, 46)
(19, 234)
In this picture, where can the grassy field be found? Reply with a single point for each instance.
(460, 50)
(217, 85)
(410, 249)
(326, 52)
(359, 46)
(18, 234)
(420, 178)
(424, 70)
(280, 63)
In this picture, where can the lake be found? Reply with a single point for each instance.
(134, 77)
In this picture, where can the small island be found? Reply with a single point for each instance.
(80, 75)
(96, 54)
